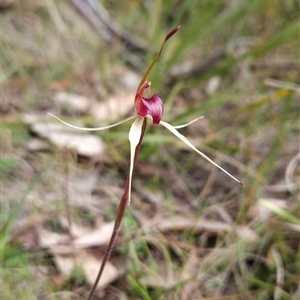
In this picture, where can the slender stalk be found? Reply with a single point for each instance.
(119, 217)
(147, 73)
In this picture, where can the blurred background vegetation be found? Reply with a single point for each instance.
(190, 232)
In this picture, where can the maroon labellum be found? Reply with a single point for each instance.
(152, 106)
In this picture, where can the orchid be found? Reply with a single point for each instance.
(146, 108)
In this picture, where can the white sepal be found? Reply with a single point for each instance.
(187, 124)
(135, 133)
(186, 141)
(92, 129)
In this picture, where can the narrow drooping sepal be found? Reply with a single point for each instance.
(134, 136)
(152, 106)
(187, 142)
(92, 129)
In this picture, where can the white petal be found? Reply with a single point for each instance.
(135, 133)
(92, 129)
(187, 124)
(185, 140)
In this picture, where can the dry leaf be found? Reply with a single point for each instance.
(78, 103)
(190, 223)
(48, 238)
(262, 212)
(97, 237)
(36, 144)
(116, 106)
(63, 136)
(89, 264)
(80, 187)
(247, 234)
(62, 243)
(74, 229)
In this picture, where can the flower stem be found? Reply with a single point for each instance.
(119, 217)
(148, 71)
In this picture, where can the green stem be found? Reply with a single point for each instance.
(148, 71)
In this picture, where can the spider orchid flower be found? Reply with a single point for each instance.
(146, 108)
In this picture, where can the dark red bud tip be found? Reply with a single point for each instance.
(170, 34)
(242, 184)
(147, 84)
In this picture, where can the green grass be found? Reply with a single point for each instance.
(255, 127)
